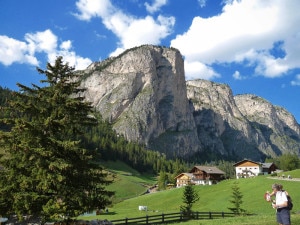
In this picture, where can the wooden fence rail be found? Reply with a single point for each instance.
(171, 217)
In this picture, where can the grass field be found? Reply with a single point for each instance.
(240, 220)
(128, 183)
(212, 198)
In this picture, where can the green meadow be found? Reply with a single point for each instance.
(214, 198)
(128, 183)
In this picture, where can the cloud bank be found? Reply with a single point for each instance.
(245, 32)
(16, 51)
(157, 4)
(261, 35)
(130, 30)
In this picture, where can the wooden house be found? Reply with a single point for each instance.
(268, 168)
(200, 175)
(183, 179)
(247, 168)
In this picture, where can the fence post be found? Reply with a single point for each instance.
(147, 219)
(210, 217)
(126, 220)
(223, 215)
(162, 218)
(180, 215)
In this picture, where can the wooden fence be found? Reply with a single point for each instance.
(172, 217)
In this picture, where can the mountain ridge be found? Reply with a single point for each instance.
(144, 94)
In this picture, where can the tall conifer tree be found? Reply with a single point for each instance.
(190, 196)
(237, 199)
(45, 171)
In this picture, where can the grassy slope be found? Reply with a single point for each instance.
(212, 198)
(128, 183)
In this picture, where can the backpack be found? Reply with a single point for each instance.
(290, 203)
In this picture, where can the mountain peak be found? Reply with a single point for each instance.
(143, 93)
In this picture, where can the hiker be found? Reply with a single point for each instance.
(281, 205)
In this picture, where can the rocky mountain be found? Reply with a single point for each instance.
(241, 126)
(143, 93)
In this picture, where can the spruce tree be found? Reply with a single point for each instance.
(163, 180)
(190, 196)
(237, 200)
(45, 170)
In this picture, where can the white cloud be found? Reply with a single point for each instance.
(202, 3)
(269, 66)
(16, 51)
(44, 41)
(156, 30)
(246, 31)
(66, 45)
(13, 51)
(237, 76)
(93, 8)
(130, 30)
(157, 4)
(194, 70)
(79, 62)
(296, 82)
(265, 63)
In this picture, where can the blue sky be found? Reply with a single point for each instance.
(251, 45)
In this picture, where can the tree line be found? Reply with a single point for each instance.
(286, 162)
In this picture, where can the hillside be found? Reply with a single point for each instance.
(212, 198)
(128, 183)
(143, 93)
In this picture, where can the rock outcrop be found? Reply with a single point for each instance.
(143, 93)
(242, 126)
(276, 124)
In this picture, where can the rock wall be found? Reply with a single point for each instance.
(143, 93)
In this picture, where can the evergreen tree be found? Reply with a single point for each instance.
(5, 96)
(162, 181)
(227, 167)
(237, 199)
(46, 171)
(190, 196)
(289, 162)
(285, 162)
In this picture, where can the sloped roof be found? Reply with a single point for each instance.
(210, 169)
(187, 174)
(246, 160)
(267, 165)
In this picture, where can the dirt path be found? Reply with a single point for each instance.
(285, 179)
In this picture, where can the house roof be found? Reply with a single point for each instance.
(267, 165)
(245, 160)
(187, 174)
(210, 169)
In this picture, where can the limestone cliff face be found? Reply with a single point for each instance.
(143, 93)
(220, 124)
(244, 125)
(277, 125)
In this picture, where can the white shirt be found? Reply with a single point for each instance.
(281, 198)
